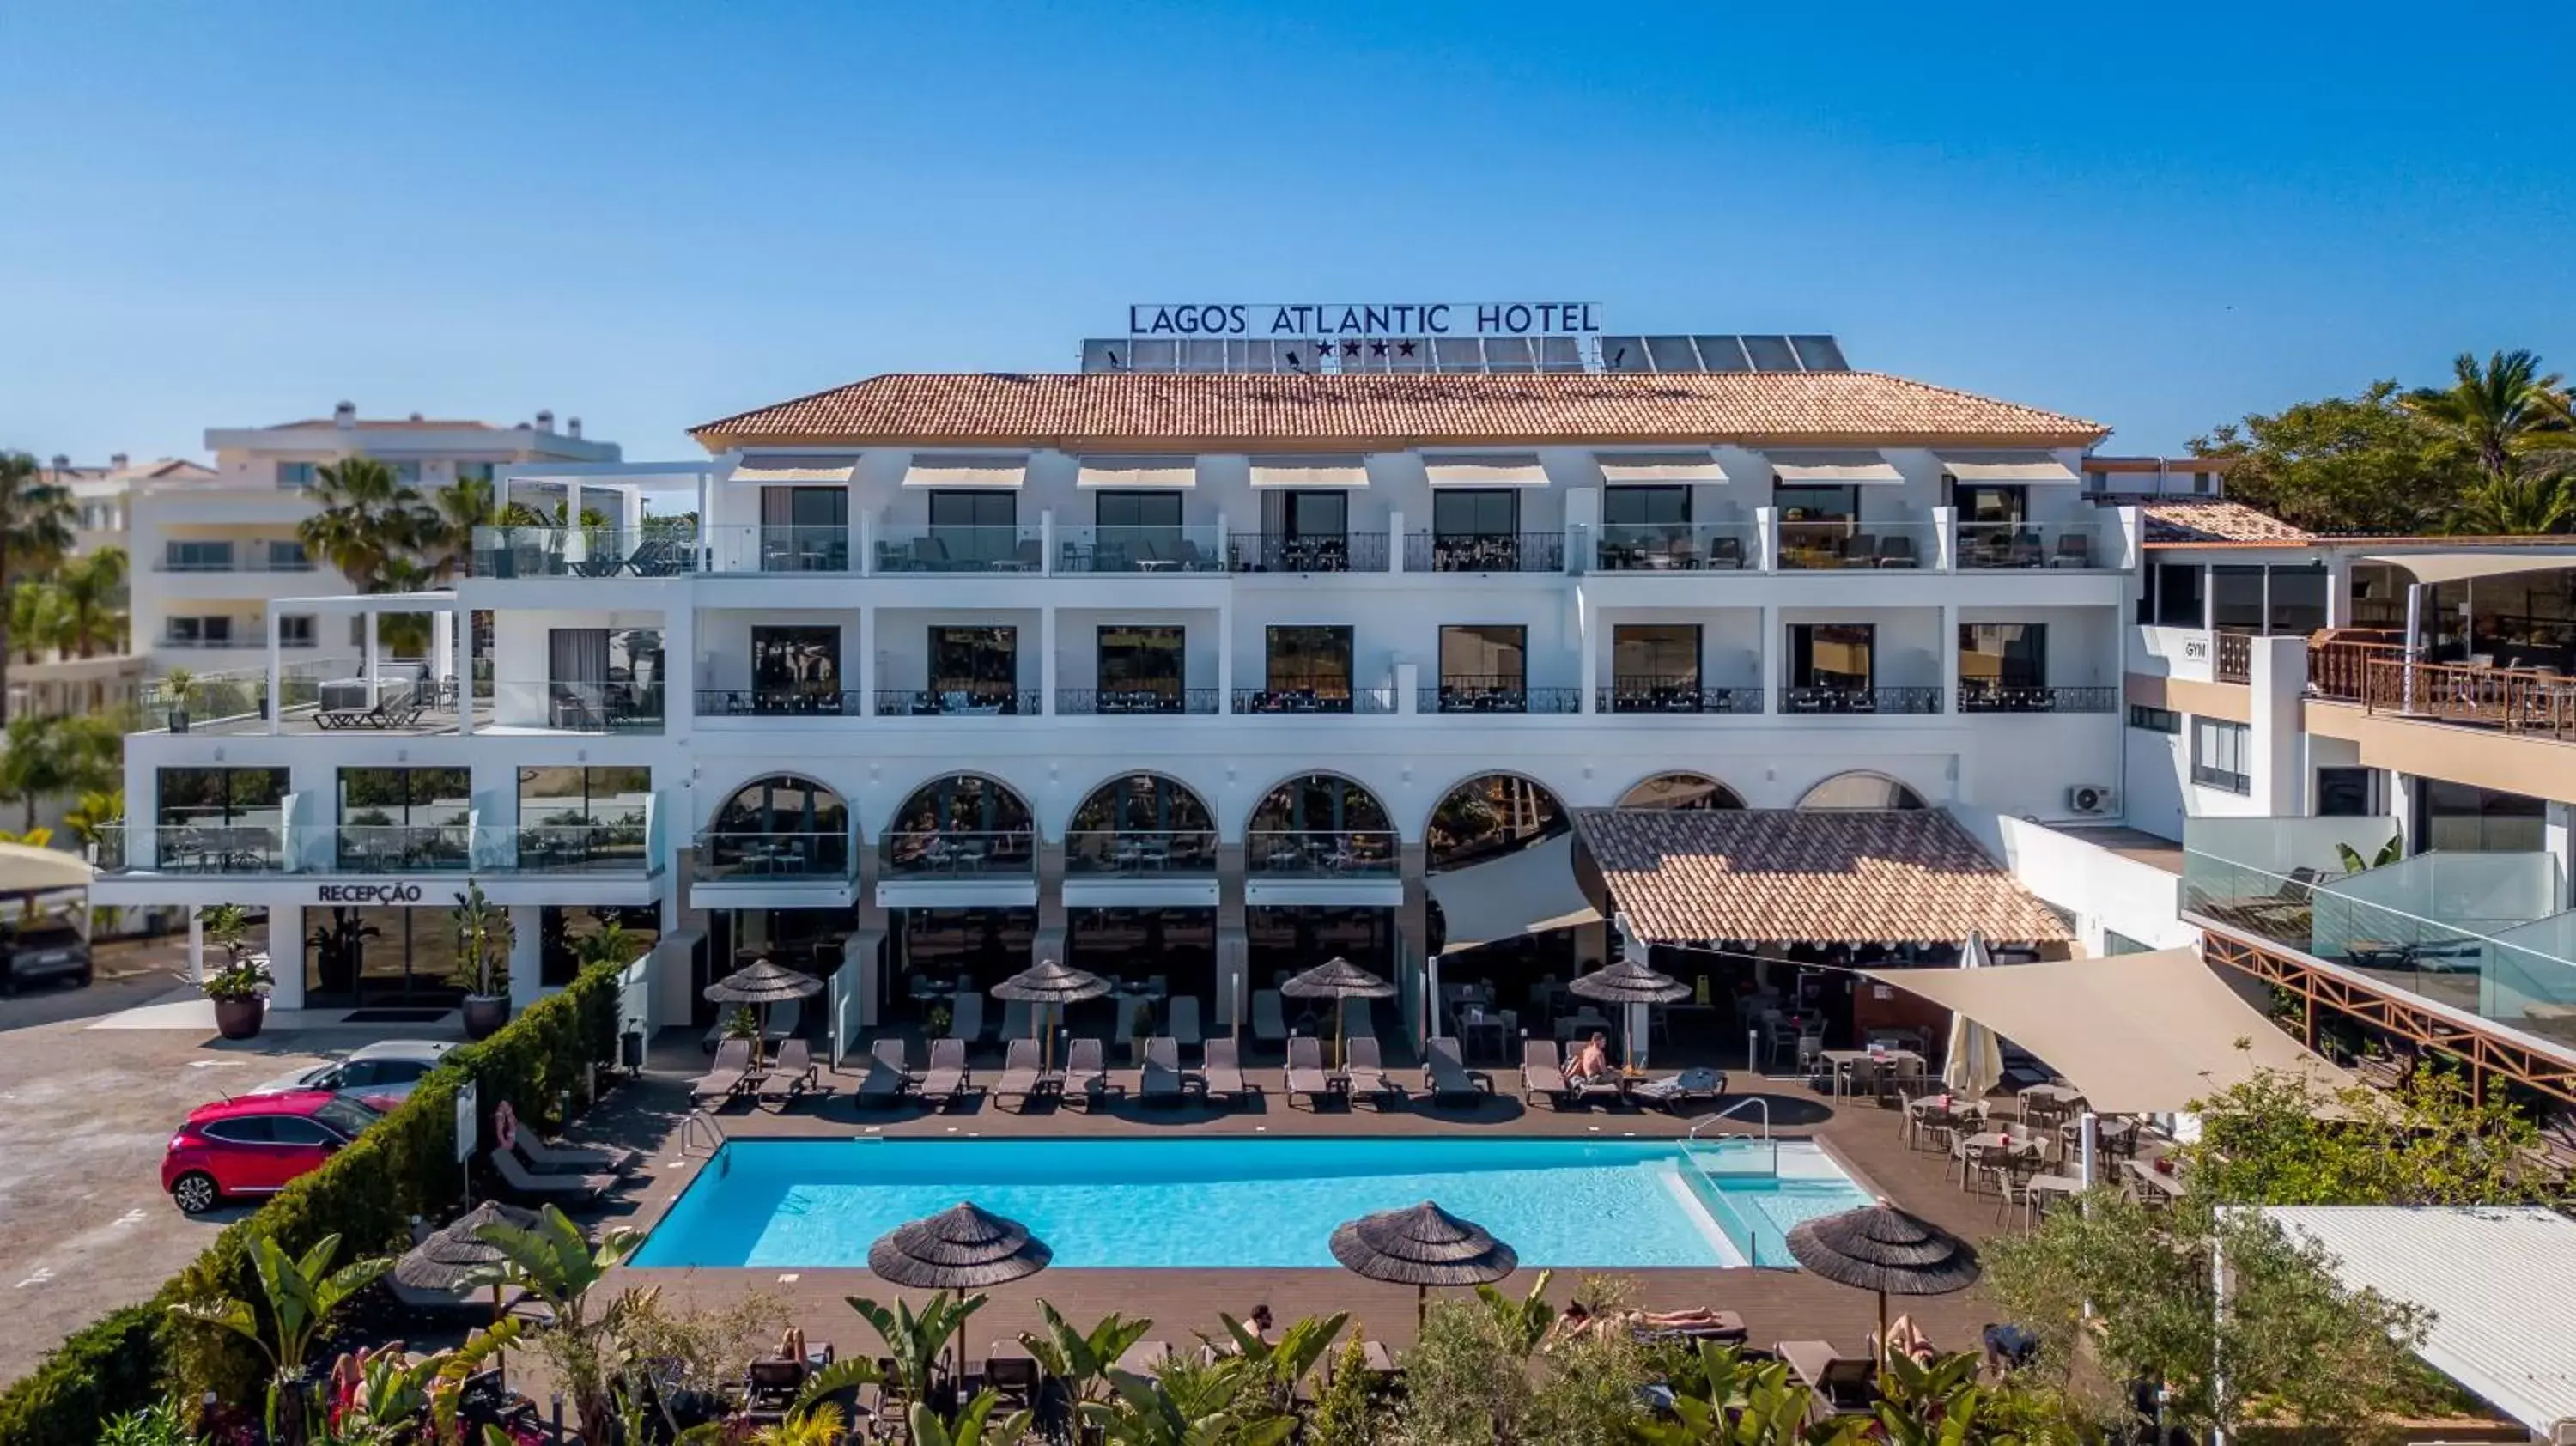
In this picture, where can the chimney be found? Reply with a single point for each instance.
(572, 428)
(345, 415)
(117, 461)
(415, 416)
(545, 421)
(62, 462)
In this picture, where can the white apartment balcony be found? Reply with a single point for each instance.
(272, 862)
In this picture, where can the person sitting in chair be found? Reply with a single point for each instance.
(1592, 1062)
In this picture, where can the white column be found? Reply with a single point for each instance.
(527, 954)
(276, 677)
(2280, 676)
(2339, 590)
(1766, 539)
(1225, 650)
(197, 944)
(1945, 538)
(1950, 657)
(679, 660)
(442, 643)
(1046, 660)
(1046, 542)
(1587, 624)
(1394, 541)
(1774, 644)
(462, 634)
(286, 956)
(867, 663)
(373, 654)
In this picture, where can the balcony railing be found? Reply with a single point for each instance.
(1006, 547)
(2234, 657)
(1085, 702)
(397, 848)
(1139, 853)
(959, 702)
(1326, 699)
(1343, 552)
(579, 707)
(583, 552)
(2508, 700)
(1321, 854)
(780, 702)
(2021, 698)
(1993, 546)
(812, 854)
(782, 547)
(1675, 695)
(1188, 548)
(604, 846)
(2339, 666)
(1847, 543)
(191, 848)
(1809, 699)
(1458, 693)
(1484, 552)
(256, 559)
(955, 854)
(1675, 547)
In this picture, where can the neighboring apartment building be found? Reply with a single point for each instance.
(212, 550)
(101, 500)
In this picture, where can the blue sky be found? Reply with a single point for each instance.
(649, 215)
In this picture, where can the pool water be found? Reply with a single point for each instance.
(1255, 1203)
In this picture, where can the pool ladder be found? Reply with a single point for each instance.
(1704, 1121)
(696, 1124)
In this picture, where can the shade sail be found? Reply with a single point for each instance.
(1527, 891)
(1835, 468)
(814, 475)
(26, 869)
(1139, 473)
(963, 471)
(2023, 469)
(1513, 471)
(2461, 566)
(1645, 468)
(1304, 472)
(2136, 1033)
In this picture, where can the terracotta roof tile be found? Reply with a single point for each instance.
(1777, 875)
(2214, 521)
(1241, 411)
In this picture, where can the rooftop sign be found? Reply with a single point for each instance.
(1364, 319)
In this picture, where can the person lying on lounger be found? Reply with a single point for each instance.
(1905, 1338)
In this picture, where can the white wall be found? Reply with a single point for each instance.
(2105, 891)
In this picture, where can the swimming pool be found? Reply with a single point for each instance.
(1255, 1203)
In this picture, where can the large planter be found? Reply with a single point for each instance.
(240, 1018)
(485, 1014)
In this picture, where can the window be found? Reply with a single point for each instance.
(2236, 599)
(1137, 509)
(1645, 506)
(597, 798)
(1484, 655)
(378, 797)
(1655, 655)
(793, 669)
(2002, 656)
(1476, 512)
(1836, 656)
(979, 526)
(179, 556)
(982, 663)
(473, 471)
(214, 632)
(2115, 943)
(2221, 754)
(1306, 514)
(1988, 504)
(1313, 661)
(1816, 504)
(244, 1130)
(406, 473)
(2155, 720)
(1142, 669)
(2345, 792)
(296, 1130)
(217, 796)
(2462, 818)
(804, 529)
(295, 630)
(287, 557)
(2295, 600)
(2173, 597)
(295, 475)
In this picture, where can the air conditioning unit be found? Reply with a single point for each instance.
(2091, 798)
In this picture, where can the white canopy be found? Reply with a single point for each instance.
(961, 471)
(1317, 472)
(2460, 566)
(2021, 468)
(1139, 473)
(2137, 1033)
(777, 475)
(1528, 891)
(26, 869)
(1835, 469)
(2497, 1278)
(1634, 468)
(1514, 471)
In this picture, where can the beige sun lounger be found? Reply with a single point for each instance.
(1222, 1069)
(1306, 1074)
(728, 1075)
(575, 1159)
(1163, 1081)
(1022, 1078)
(791, 1074)
(1542, 1074)
(1085, 1073)
(527, 1182)
(1269, 1025)
(1445, 1075)
(1843, 1385)
(887, 1077)
(947, 1077)
(1364, 1072)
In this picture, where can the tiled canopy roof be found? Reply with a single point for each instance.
(1782, 876)
(2188, 522)
(1173, 411)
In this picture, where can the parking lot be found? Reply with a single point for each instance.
(84, 1116)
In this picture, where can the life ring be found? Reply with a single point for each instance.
(505, 1126)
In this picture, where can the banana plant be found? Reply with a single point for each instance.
(2390, 852)
(390, 1393)
(301, 1293)
(556, 1263)
(1082, 1361)
(974, 1424)
(913, 1342)
(1530, 1317)
(1735, 1402)
(1285, 1366)
(1189, 1405)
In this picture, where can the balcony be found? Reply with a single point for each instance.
(1674, 695)
(390, 848)
(1829, 699)
(1847, 543)
(780, 703)
(1345, 552)
(191, 848)
(257, 559)
(2513, 701)
(1089, 702)
(1485, 552)
(1008, 548)
(1675, 547)
(1140, 853)
(1320, 854)
(1151, 550)
(782, 547)
(617, 707)
(778, 856)
(975, 702)
(960, 854)
(599, 552)
(603, 846)
(1472, 694)
(2037, 699)
(1327, 699)
(2010, 546)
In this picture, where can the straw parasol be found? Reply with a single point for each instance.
(1337, 979)
(1422, 1247)
(1631, 983)
(1048, 984)
(961, 1248)
(457, 1255)
(1886, 1250)
(763, 983)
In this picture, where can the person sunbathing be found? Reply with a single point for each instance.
(1905, 1338)
(1592, 1062)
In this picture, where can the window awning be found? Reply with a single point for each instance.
(1835, 469)
(778, 476)
(1315, 472)
(2461, 566)
(1527, 891)
(1516, 471)
(1147, 474)
(2027, 469)
(1634, 468)
(963, 471)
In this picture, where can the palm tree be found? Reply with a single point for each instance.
(368, 520)
(35, 531)
(301, 1295)
(91, 585)
(2499, 412)
(470, 503)
(2524, 505)
(36, 618)
(49, 756)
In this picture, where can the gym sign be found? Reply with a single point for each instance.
(1365, 319)
(367, 894)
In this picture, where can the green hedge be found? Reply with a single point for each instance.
(367, 1194)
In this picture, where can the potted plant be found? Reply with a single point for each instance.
(935, 1021)
(742, 1023)
(240, 987)
(482, 961)
(174, 691)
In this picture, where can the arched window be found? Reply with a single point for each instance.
(1320, 824)
(1141, 823)
(781, 824)
(1861, 789)
(1681, 791)
(1491, 814)
(963, 803)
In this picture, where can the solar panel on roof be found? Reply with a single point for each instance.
(1771, 353)
(1723, 354)
(1457, 354)
(1820, 353)
(1510, 354)
(1624, 354)
(1672, 353)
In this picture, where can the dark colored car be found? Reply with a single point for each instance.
(48, 950)
(255, 1144)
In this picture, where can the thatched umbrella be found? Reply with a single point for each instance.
(1337, 979)
(1886, 1250)
(1046, 985)
(1422, 1247)
(456, 1254)
(764, 984)
(961, 1248)
(1629, 982)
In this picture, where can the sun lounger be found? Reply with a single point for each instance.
(729, 1075)
(1445, 1075)
(1682, 1091)
(1722, 1326)
(1843, 1385)
(576, 1159)
(1223, 1072)
(947, 1077)
(1306, 1074)
(1022, 1078)
(966, 1018)
(1085, 1073)
(1145, 1358)
(525, 1181)
(887, 1078)
(1185, 1021)
(791, 1074)
(1268, 1024)
(1364, 1073)
(1542, 1074)
(1163, 1081)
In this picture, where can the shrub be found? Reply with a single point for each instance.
(112, 1364)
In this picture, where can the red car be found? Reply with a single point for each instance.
(255, 1144)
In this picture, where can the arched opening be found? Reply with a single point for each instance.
(1141, 823)
(1681, 791)
(781, 825)
(962, 823)
(1861, 789)
(1488, 816)
(1320, 824)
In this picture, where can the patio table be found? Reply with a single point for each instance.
(1846, 1061)
(2165, 1184)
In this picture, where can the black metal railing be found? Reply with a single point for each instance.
(1342, 552)
(1329, 699)
(2031, 698)
(1800, 699)
(1459, 693)
(958, 702)
(1484, 552)
(780, 702)
(1085, 702)
(2235, 660)
(1675, 695)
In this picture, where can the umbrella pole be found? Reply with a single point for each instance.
(1421, 1309)
(1881, 1344)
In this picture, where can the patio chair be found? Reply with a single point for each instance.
(791, 1074)
(966, 1018)
(728, 1075)
(1185, 1020)
(1022, 1077)
(1896, 550)
(1842, 1385)
(1017, 1014)
(1084, 1072)
(528, 1183)
(1306, 1073)
(1687, 1090)
(1268, 1025)
(1012, 1377)
(947, 1077)
(2074, 549)
(1364, 1073)
(1543, 1073)
(1445, 1075)
(1163, 1081)
(887, 1078)
(1222, 1072)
